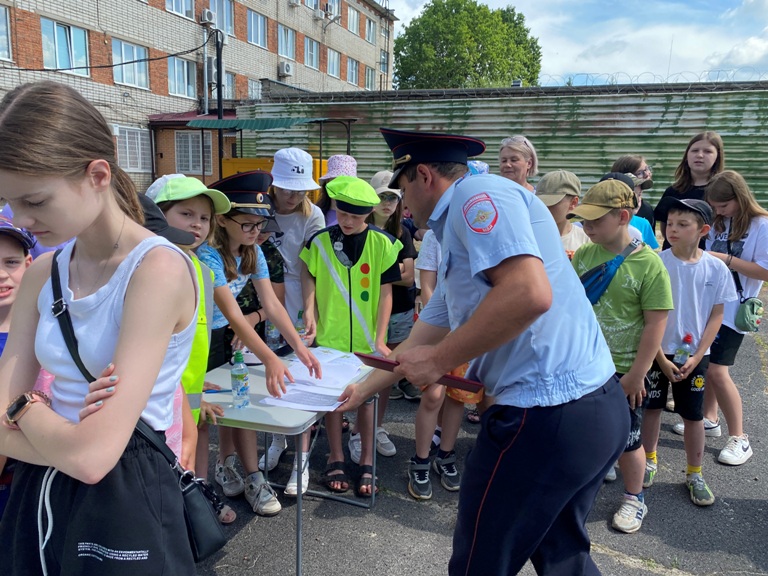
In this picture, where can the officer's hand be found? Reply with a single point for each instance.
(420, 366)
(350, 398)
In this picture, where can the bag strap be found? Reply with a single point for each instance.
(61, 313)
(619, 259)
(736, 278)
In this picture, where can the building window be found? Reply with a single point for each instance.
(286, 42)
(353, 21)
(5, 34)
(384, 61)
(257, 29)
(190, 149)
(334, 63)
(182, 77)
(370, 31)
(352, 67)
(314, 4)
(311, 53)
(134, 153)
(385, 32)
(182, 7)
(225, 15)
(254, 89)
(134, 74)
(334, 7)
(228, 84)
(370, 78)
(64, 47)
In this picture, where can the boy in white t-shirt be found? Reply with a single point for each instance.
(701, 284)
(560, 191)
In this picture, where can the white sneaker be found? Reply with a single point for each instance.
(630, 516)
(711, 429)
(261, 496)
(354, 447)
(228, 477)
(611, 476)
(384, 445)
(736, 452)
(291, 489)
(274, 452)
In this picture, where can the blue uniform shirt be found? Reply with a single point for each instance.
(481, 221)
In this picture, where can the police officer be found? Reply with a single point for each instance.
(508, 300)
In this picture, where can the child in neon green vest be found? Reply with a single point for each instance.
(349, 268)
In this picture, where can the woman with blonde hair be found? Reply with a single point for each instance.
(518, 160)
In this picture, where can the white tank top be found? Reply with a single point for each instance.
(96, 319)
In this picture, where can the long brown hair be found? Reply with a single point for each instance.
(248, 260)
(683, 176)
(50, 129)
(628, 163)
(727, 186)
(394, 225)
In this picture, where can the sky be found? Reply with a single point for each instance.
(639, 41)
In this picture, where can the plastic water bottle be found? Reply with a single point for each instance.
(683, 351)
(241, 397)
(273, 336)
(300, 327)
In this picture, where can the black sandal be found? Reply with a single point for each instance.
(473, 416)
(366, 469)
(329, 479)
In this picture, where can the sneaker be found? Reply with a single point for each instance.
(711, 429)
(419, 484)
(409, 390)
(630, 516)
(354, 447)
(611, 476)
(450, 477)
(736, 452)
(701, 495)
(650, 473)
(384, 445)
(228, 477)
(274, 452)
(291, 489)
(261, 496)
(395, 393)
(670, 407)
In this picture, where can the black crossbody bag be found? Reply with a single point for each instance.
(201, 504)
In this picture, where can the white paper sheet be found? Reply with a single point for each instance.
(299, 398)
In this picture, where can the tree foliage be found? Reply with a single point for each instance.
(465, 44)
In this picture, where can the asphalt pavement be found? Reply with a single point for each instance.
(401, 536)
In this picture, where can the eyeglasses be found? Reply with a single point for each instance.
(249, 227)
(300, 193)
(388, 198)
(646, 172)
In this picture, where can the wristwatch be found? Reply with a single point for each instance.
(20, 405)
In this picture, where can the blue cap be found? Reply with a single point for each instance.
(247, 192)
(410, 148)
(24, 238)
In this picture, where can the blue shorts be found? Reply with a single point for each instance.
(400, 326)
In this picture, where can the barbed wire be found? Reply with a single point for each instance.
(719, 75)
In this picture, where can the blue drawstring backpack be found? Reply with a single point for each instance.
(597, 279)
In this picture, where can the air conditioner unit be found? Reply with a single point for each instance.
(285, 69)
(207, 17)
(294, 3)
(318, 14)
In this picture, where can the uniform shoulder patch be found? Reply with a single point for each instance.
(480, 213)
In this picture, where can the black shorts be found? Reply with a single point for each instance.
(688, 393)
(635, 421)
(725, 347)
(130, 523)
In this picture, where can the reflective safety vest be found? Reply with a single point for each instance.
(194, 374)
(348, 296)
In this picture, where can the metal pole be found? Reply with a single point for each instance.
(220, 96)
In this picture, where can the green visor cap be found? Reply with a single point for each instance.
(184, 188)
(352, 195)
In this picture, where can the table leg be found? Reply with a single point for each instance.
(375, 424)
(299, 500)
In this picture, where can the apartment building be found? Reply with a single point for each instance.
(142, 59)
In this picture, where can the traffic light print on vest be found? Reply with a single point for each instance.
(365, 282)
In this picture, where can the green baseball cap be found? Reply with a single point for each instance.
(556, 185)
(352, 195)
(604, 197)
(176, 187)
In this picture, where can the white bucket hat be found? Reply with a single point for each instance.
(292, 170)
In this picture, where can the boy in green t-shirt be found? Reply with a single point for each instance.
(632, 313)
(347, 287)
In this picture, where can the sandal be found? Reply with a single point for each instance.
(344, 424)
(366, 482)
(330, 479)
(227, 515)
(473, 416)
